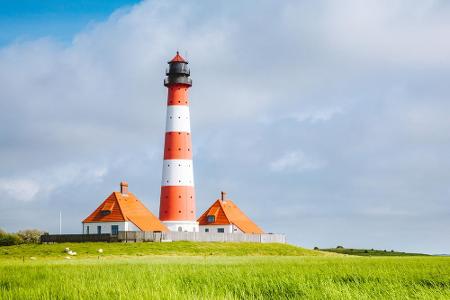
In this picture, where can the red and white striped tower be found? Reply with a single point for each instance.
(177, 202)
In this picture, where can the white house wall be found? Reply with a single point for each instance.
(227, 228)
(106, 227)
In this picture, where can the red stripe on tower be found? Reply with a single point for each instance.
(177, 202)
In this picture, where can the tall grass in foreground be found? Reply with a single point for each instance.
(228, 278)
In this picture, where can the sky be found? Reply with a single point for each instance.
(327, 121)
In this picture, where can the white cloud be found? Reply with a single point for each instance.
(40, 184)
(409, 33)
(317, 115)
(18, 189)
(296, 161)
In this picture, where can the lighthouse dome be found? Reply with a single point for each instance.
(178, 71)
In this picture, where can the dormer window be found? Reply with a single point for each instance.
(211, 219)
(105, 212)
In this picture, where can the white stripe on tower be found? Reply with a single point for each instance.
(178, 119)
(178, 172)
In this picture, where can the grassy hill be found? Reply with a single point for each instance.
(370, 252)
(89, 250)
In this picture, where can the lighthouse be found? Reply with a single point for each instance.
(177, 201)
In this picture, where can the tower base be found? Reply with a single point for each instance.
(182, 226)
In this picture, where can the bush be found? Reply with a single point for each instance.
(339, 247)
(30, 236)
(316, 248)
(9, 239)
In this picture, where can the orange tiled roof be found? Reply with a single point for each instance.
(226, 213)
(178, 58)
(126, 208)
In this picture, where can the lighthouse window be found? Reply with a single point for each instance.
(211, 219)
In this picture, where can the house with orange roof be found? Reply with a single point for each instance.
(225, 217)
(121, 211)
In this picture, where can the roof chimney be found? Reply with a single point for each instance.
(124, 188)
(223, 196)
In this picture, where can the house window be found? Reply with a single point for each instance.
(99, 229)
(211, 219)
(114, 229)
(87, 229)
(180, 229)
(206, 229)
(220, 230)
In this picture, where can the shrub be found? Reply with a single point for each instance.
(339, 247)
(316, 248)
(9, 239)
(30, 236)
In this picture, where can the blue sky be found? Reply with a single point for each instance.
(30, 19)
(324, 120)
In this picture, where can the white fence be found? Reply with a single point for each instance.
(143, 236)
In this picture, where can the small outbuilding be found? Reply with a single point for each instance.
(225, 217)
(121, 211)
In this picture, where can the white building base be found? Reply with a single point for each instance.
(182, 226)
(106, 227)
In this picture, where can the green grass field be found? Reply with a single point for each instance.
(214, 271)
